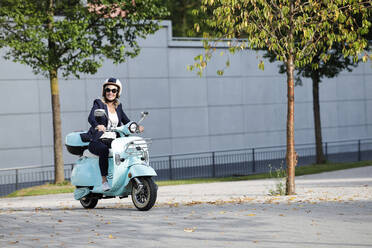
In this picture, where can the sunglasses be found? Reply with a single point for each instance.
(107, 90)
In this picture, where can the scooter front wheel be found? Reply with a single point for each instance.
(88, 202)
(144, 197)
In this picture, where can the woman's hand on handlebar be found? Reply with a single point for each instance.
(101, 128)
(141, 129)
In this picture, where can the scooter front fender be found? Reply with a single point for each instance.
(141, 170)
(122, 184)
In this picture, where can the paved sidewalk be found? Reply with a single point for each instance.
(330, 210)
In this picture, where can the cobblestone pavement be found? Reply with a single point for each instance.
(330, 210)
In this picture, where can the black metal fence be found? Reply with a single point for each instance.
(207, 164)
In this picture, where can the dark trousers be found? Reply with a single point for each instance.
(101, 149)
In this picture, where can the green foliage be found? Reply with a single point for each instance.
(72, 37)
(186, 17)
(336, 61)
(280, 175)
(290, 29)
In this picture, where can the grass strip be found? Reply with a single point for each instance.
(300, 171)
(45, 189)
(66, 187)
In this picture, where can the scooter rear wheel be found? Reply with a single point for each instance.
(144, 199)
(88, 202)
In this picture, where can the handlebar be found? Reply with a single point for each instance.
(130, 128)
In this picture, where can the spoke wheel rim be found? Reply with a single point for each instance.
(142, 198)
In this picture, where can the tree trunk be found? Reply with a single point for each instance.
(57, 128)
(59, 175)
(291, 154)
(184, 27)
(320, 158)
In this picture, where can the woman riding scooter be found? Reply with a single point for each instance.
(99, 133)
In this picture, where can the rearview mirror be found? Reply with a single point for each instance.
(99, 113)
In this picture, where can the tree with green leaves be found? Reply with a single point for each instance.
(180, 13)
(181, 16)
(70, 37)
(295, 31)
(336, 63)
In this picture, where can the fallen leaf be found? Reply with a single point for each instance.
(281, 214)
(251, 215)
(111, 237)
(189, 229)
(60, 220)
(193, 203)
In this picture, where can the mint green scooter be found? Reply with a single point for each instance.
(129, 172)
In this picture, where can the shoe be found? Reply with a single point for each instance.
(106, 186)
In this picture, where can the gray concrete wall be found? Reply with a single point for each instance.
(244, 108)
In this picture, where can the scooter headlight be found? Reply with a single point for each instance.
(133, 127)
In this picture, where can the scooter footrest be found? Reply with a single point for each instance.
(108, 197)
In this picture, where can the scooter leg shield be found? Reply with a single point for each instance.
(86, 173)
(80, 193)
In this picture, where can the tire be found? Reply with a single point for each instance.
(145, 199)
(89, 202)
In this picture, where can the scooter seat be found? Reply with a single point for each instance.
(88, 154)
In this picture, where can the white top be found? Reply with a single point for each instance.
(113, 122)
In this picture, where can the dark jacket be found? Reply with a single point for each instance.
(93, 134)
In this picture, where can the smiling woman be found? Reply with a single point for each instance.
(100, 133)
